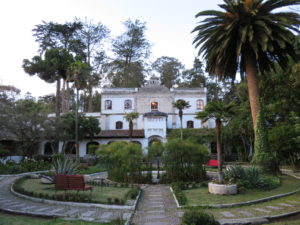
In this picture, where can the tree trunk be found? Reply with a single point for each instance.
(76, 126)
(219, 150)
(90, 99)
(57, 106)
(252, 81)
(130, 129)
(181, 132)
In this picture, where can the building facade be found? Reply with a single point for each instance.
(153, 103)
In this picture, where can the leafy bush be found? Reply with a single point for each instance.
(194, 217)
(184, 160)
(123, 161)
(251, 177)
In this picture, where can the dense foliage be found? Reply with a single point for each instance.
(183, 160)
(251, 178)
(123, 161)
(198, 217)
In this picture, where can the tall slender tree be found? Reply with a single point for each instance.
(220, 112)
(93, 36)
(170, 70)
(131, 49)
(249, 35)
(78, 73)
(181, 104)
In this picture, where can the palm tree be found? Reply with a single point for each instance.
(130, 117)
(220, 112)
(248, 35)
(181, 104)
(78, 73)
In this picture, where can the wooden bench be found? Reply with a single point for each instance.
(71, 182)
(213, 163)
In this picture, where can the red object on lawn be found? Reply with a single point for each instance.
(213, 162)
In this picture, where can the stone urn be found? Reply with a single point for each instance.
(222, 189)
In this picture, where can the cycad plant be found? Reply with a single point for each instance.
(64, 166)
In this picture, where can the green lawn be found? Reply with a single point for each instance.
(99, 194)
(93, 169)
(264, 205)
(199, 196)
(294, 222)
(8, 219)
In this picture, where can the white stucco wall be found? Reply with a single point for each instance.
(117, 104)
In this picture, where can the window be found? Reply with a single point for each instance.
(119, 125)
(190, 124)
(127, 104)
(154, 105)
(200, 104)
(108, 104)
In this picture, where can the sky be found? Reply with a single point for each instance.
(169, 24)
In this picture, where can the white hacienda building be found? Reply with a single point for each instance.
(153, 102)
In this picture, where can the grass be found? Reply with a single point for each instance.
(295, 222)
(252, 208)
(93, 169)
(100, 194)
(8, 219)
(199, 196)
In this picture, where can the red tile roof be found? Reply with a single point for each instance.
(121, 133)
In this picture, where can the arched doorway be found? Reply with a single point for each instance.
(137, 142)
(91, 147)
(48, 148)
(70, 148)
(154, 139)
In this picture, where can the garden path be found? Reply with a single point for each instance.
(11, 203)
(157, 207)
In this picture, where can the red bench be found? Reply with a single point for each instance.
(71, 182)
(213, 163)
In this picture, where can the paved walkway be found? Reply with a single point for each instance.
(9, 202)
(157, 207)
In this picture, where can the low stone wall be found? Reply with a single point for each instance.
(222, 189)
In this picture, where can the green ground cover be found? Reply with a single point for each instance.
(295, 222)
(100, 194)
(200, 195)
(293, 200)
(8, 219)
(93, 169)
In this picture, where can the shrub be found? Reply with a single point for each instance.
(251, 178)
(123, 161)
(194, 217)
(184, 159)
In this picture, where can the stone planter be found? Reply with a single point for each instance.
(222, 189)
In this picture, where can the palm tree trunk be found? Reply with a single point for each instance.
(252, 81)
(57, 106)
(130, 129)
(219, 151)
(181, 132)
